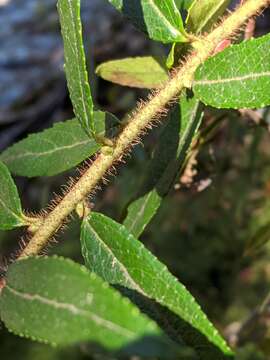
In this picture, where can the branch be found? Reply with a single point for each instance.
(142, 118)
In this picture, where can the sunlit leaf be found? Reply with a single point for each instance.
(170, 58)
(238, 77)
(75, 64)
(160, 19)
(57, 301)
(203, 14)
(115, 254)
(57, 149)
(10, 205)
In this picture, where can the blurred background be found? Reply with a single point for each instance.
(212, 233)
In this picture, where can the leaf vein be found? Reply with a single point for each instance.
(232, 79)
(125, 272)
(74, 310)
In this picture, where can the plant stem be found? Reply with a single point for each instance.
(141, 120)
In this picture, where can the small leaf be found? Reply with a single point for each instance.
(141, 211)
(238, 77)
(57, 301)
(57, 149)
(186, 3)
(183, 4)
(75, 64)
(115, 254)
(168, 160)
(160, 19)
(11, 215)
(258, 240)
(142, 72)
(170, 59)
(203, 14)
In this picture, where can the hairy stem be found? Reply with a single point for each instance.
(182, 77)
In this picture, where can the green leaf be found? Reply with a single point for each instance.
(142, 72)
(258, 240)
(186, 3)
(115, 254)
(141, 211)
(57, 149)
(75, 64)
(203, 14)
(183, 4)
(168, 160)
(57, 301)
(160, 19)
(11, 215)
(170, 59)
(238, 77)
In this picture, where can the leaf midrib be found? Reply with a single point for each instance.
(252, 76)
(10, 211)
(44, 153)
(124, 270)
(140, 213)
(213, 11)
(74, 310)
(172, 28)
(77, 55)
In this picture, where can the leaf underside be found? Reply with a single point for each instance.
(141, 72)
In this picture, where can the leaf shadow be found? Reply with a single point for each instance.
(167, 161)
(161, 60)
(111, 125)
(177, 329)
(133, 10)
(146, 347)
